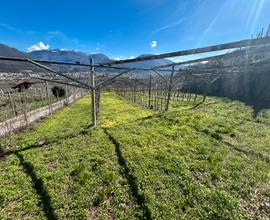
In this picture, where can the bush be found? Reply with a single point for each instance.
(58, 91)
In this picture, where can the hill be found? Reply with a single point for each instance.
(11, 52)
(15, 67)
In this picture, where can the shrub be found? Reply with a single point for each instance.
(58, 91)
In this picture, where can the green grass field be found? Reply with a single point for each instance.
(209, 161)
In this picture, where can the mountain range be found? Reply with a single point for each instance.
(61, 55)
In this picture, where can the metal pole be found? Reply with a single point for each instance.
(150, 91)
(232, 45)
(169, 90)
(48, 98)
(94, 112)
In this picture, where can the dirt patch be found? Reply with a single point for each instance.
(259, 206)
(93, 213)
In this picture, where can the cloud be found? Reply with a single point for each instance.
(153, 44)
(38, 46)
(119, 58)
(64, 49)
(9, 27)
(173, 24)
(97, 49)
(123, 57)
(14, 29)
(204, 62)
(177, 59)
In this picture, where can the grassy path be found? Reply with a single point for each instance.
(138, 164)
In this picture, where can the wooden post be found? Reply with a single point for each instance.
(169, 90)
(195, 97)
(134, 91)
(35, 92)
(204, 97)
(205, 91)
(189, 85)
(81, 90)
(93, 94)
(67, 95)
(41, 97)
(73, 94)
(11, 104)
(48, 98)
(23, 100)
(97, 103)
(150, 91)
(57, 96)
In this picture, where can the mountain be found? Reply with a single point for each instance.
(72, 56)
(77, 56)
(11, 52)
(100, 58)
(62, 55)
(15, 67)
(149, 63)
(67, 56)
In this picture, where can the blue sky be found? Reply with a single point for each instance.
(126, 28)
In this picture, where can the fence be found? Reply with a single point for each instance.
(14, 103)
(157, 99)
(28, 118)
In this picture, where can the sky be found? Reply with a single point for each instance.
(129, 28)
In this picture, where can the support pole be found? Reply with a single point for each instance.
(41, 97)
(134, 91)
(11, 104)
(93, 94)
(48, 98)
(23, 100)
(169, 90)
(66, 91)
(97, 93)
(150, 91)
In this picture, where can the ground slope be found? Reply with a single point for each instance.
(208, 161)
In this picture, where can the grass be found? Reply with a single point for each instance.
(139, 164)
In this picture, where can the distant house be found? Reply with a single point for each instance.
(22, 86)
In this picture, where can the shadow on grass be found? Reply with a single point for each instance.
(83, 132)
(28, 168)
(202, 105)
(139, 197)
(2, 153)
(217, 136)
(38, 185)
